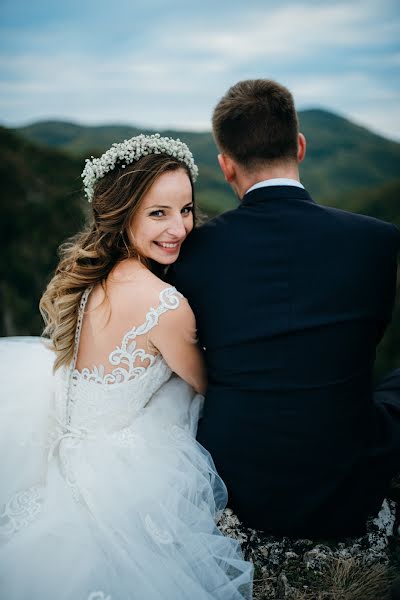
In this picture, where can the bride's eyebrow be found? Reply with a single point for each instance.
(167, 206)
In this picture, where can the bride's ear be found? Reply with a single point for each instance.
(227, 167)
(301, 147)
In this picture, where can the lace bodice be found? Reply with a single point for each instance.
(95, 400)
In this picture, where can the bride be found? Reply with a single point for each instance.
(104, 492)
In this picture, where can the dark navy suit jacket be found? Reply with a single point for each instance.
(291, 299)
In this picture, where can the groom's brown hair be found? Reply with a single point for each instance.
(256, 122)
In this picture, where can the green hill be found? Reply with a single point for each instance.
(341, 156)
(41, 207)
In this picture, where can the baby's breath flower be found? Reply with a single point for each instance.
(131, 150)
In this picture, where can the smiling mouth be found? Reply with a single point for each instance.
(168, 246)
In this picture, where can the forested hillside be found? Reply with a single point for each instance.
(40, 207)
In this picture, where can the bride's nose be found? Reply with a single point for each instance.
(176, 227)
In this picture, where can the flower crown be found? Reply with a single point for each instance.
(131, 150)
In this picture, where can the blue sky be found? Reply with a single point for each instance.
(166, 63)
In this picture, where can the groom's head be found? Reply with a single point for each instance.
(256, 129)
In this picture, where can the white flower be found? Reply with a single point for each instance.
(131, 150)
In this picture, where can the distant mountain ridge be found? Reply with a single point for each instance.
(341, 156)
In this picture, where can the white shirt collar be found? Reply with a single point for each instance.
(276, 181)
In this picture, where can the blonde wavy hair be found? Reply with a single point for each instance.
(88, 257)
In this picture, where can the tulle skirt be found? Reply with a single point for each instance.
(108, 517)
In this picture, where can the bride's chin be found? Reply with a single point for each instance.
(165, 259)
(168, 260)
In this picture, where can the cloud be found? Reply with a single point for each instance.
(347, 89)
(168, 68)
(360, 97)
(288, 33)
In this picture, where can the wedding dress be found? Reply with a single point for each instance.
(104, 492)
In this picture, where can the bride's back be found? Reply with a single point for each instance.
(113, 310)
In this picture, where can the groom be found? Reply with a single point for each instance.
(291, 300)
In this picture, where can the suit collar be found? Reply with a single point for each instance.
(276, 192)
(275, 181)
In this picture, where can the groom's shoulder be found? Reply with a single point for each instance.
(362, 220)
(204, 240)
(212, 228)
(219, 222)
(366, 225)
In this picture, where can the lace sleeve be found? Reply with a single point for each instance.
(175, 338)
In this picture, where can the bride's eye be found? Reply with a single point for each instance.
(187, 210)
(157, 213)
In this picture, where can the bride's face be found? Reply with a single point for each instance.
(164, 218)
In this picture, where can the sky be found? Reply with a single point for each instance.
(165, 63)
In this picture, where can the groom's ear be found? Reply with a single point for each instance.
(227, 167)
(301, 147)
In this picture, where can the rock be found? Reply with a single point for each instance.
(290, 555)
(316, 558)
(301, 568)
(284, 590)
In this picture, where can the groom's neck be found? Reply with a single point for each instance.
(244, 180)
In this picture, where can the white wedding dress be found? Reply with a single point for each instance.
(104, 492)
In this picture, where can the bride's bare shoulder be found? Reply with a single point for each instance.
(132, 282)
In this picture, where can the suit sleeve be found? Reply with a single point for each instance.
(396, 238)
(393, 269)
